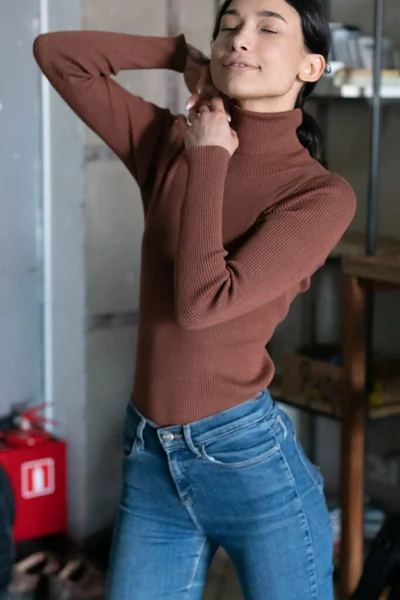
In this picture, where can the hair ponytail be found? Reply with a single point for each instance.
(309, 132)
(310, 136)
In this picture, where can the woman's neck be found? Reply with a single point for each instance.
(266, 133)
(268, 105)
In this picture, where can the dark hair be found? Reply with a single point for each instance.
(317, 39)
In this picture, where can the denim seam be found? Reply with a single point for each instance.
(314, 481)
(192, 515)
(306, 528)
(139, 434)
(234, 430)
(189, 441)
(240, 465)
(176, 472)
(196, 566)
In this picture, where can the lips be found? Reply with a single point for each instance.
(239, 64)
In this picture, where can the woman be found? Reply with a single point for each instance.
(239, 214)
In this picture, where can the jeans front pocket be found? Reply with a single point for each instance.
(241, 447)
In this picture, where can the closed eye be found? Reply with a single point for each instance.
(228, 28)
(269, 31)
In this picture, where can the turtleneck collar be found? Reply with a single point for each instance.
(266, 133)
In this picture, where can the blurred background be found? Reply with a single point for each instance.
(70, 238)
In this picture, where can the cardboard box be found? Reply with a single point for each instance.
(314, 383)
(321, 385)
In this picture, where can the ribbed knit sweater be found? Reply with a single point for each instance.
(228, 242)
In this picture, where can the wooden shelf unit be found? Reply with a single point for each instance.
(360, 275)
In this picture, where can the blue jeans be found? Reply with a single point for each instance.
(239, 480)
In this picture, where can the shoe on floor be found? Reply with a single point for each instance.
(25, 580)
(27, 575)
(78, 580)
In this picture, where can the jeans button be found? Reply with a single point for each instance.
(167, 436)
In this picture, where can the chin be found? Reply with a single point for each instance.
(235, 90)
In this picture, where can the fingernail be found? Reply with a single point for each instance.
(229, 118)
(189, 105)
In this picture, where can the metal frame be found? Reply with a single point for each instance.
(374, 189)
(374, 180)
(48, 391)
(64, 272)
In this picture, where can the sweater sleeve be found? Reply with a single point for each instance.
(79, 64)
(291, 242)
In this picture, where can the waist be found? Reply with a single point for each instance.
(202, 430)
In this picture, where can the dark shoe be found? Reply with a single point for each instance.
(78, 580)
(25, 579)
(28, 574)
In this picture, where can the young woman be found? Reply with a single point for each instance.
(239, 214)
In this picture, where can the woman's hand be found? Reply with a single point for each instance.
(198, 78)
(210, 127)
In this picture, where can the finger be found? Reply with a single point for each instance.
(235, 138)
(203, 109)
(193, 115)
(196, 100)
(181, 126)
(227, 107)
(217, 104)
(205, 95)
(192, 101)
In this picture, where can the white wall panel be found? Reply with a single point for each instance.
(110, 361)
(21, 295)
(114, 225)
(139, 17)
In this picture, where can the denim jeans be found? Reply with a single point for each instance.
(240, 480)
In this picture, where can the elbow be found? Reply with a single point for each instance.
(188, 321)
(190, 318)
(41, 47)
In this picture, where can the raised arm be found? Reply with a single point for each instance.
(293, 240)
(79, 64)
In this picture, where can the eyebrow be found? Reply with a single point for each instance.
(262, 13)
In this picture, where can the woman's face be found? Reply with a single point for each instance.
(259, 57)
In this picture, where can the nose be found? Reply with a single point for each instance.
(241, 42)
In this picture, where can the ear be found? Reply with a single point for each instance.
(313, 68)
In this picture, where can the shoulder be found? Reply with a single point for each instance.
(330, 189)
(322, 197)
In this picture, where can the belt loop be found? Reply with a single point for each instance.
(284, 428)
(188, 439)
(139, 433)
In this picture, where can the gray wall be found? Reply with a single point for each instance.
(20, 226)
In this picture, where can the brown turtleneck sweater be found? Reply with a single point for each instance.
(228, 242)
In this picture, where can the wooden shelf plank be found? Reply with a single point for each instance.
(321, 409)
(373, 268)
(353, 243)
